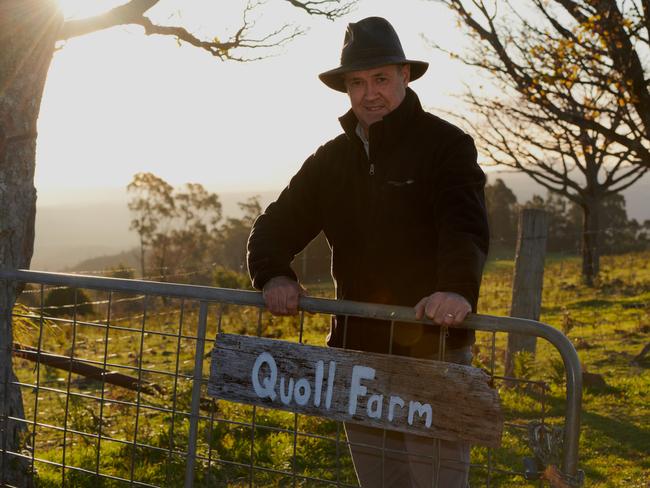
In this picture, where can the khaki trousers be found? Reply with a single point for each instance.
(392, 459)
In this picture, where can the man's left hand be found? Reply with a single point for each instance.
(444, 308)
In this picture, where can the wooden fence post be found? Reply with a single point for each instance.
(527, 279)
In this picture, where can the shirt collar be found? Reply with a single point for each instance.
(364, 139)
(392, 124)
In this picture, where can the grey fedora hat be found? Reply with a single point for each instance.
(370, 43)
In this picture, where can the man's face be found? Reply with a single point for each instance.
(376, 92)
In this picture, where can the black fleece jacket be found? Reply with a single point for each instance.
(402, 223)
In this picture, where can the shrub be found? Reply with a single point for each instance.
(62, 301)
(227, 278)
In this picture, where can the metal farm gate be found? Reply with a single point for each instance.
(114, 384)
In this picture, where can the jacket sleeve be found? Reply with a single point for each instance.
(286, 226)
(461, 220)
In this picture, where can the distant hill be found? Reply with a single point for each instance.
(71, 235)
(125, 259)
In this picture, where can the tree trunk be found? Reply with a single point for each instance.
(591, 240)
(27, 36)
(142, 268)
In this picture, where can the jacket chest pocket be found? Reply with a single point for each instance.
(403, 201)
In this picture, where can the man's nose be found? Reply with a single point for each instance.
(371, 91)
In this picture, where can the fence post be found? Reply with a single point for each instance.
(527, 280)
(196, 395)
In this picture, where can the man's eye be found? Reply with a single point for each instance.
(381, 79)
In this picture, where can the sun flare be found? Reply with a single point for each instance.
(78, 9)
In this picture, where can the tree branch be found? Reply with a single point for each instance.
(646, 14)
(571, 78)
(132, 13)
(329, 9)
(128, 13)
(219, 49)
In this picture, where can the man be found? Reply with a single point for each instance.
(399, 196)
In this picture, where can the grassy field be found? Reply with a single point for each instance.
(609, 325)
(143, 439)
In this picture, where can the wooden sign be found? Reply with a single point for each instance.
(429, 398)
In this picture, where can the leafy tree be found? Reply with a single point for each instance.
(175, 226)
(195, 232)
(574, 113)
(233, 235)
(502, 210)
(153, 208)
(563, 223)
(29, 31)
(618, 233)
(198, 208)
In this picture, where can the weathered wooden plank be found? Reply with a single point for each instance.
(528, 278)
(429, 398)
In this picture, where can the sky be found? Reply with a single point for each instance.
(118, 102)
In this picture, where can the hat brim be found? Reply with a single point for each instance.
(334, 77)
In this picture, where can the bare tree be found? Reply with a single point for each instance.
(574, 109)
(29, 31)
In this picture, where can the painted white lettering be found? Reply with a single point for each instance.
(302, 391)
(266, 389)
(356, 388)
(318, 384)
(330, 384)
(286, 397)
(417, 407)
(394, 400)
(375, 404)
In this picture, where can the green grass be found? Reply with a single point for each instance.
(608, 324)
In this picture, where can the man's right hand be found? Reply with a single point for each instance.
(281, 295)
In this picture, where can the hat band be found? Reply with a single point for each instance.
(348, 57)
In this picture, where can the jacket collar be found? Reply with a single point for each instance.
(390, 128)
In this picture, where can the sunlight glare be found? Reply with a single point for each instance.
(118, 102)
(78, 9)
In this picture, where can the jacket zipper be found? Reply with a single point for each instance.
(373, 194)
(369, 263)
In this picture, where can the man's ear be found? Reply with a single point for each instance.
(406, 73)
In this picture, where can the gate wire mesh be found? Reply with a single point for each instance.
(114, 390)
